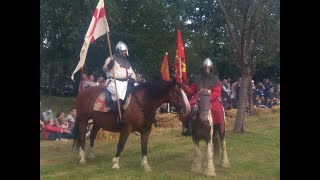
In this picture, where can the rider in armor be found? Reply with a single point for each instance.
(120, 67)
(206, 80)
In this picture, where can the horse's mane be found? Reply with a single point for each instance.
(155, 89)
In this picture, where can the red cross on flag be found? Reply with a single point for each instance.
(98, 27)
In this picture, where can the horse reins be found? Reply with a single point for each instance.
(170, 119)
(139, 103)
(142, 110)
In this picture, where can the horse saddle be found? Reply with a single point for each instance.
(104, 102)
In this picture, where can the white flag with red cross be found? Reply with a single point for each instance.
(98, 27)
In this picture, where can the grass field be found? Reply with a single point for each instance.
(252, 155)
(58, 104)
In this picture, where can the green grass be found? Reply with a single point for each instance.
(252, 155)
(59, 104)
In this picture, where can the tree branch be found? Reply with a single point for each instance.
(245, 33)
(264, 17)
(231, 33)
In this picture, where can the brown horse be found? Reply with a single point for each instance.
(139, 115)
(203, 128)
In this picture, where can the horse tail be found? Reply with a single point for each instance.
(75, 133)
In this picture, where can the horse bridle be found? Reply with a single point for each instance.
(179, 105)
(141, 106)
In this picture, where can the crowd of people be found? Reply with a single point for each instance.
(265, 94)
(59, 128)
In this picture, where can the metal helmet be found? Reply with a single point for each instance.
(121, 46)
(207, 65)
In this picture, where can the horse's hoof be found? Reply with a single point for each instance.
(225, 165)
(82, 161)
(90, 156)
(147, 168)
(116, 166)
(196, 169)
(114, 160)
(210, 173)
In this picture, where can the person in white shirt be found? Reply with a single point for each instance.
(123, 73)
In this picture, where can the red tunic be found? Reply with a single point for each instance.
(216, 105)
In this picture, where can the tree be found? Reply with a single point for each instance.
(244, 20)
(149, 30)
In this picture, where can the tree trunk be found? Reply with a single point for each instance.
(241, 109)
(251, 112)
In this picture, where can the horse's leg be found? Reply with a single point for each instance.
(83, 123)
(182, 128)
(124, 134)
(196, 165)
(144, 149)
(93, 135)
(209, 169)
(224, 160)
(216, 144)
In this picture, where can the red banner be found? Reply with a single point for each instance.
(180, 60)
(165, 68)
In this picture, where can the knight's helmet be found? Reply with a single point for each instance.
(208, 66)
(121, 46)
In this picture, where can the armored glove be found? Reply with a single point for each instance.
(131, 82)
(111, 64)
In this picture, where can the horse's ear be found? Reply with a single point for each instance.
(172, 77)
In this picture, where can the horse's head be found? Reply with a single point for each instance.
(204, 102)
(178, 99)
(159, 92)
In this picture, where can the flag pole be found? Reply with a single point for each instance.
(180, 73)
(80, 84)
(114, 79)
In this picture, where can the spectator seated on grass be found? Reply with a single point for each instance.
(60, 117)
(51, 132)
(47, 115)
(71, 118)
(63, 123)
(67, 133)
(269, 103)
(259, 103)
